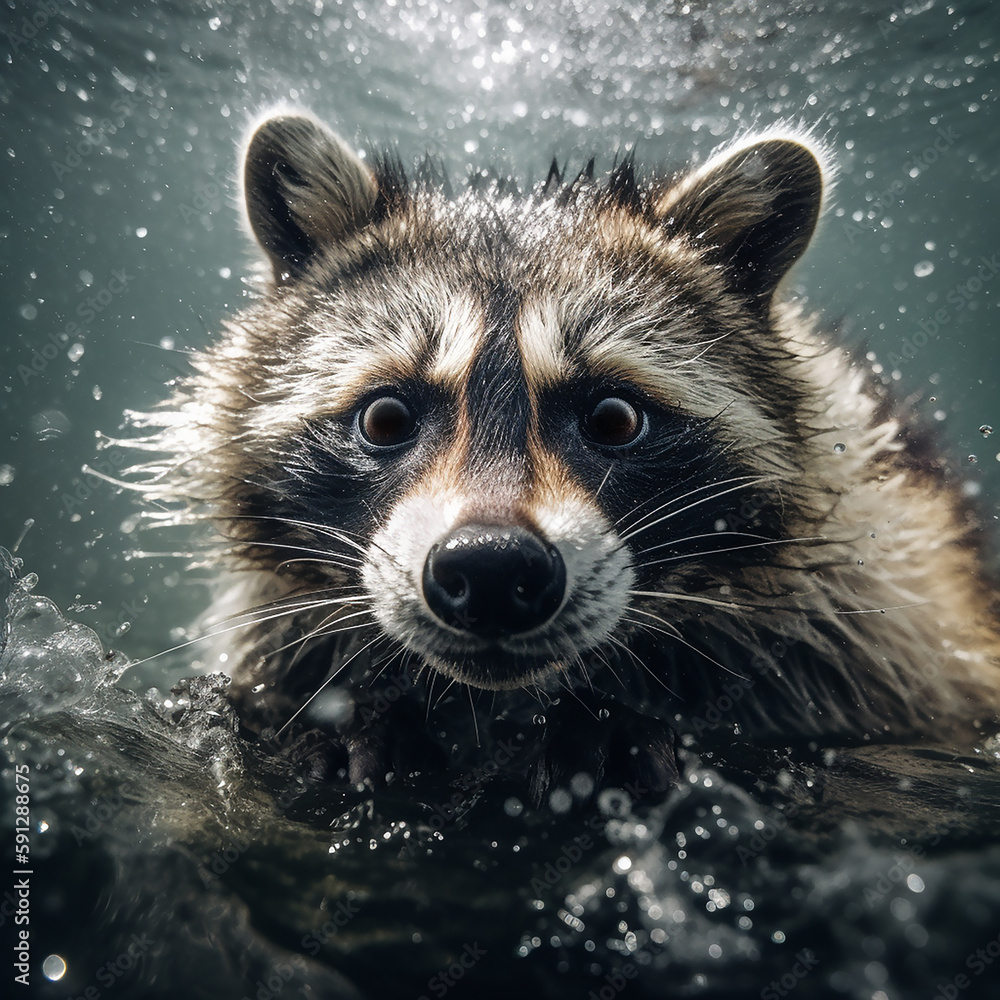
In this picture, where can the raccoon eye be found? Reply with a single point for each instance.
(386, 421)
(613, 422)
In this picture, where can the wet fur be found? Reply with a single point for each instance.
(781, 559)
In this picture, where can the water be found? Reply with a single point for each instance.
(119, 132)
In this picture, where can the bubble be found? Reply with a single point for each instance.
(560, 801)
(28, 311)
(54, 968)
(972, 460)
(513, 806)
(985, 430)
(922, 268)
(538, 720)
(6, 475)
(840, 448)
(75, 352)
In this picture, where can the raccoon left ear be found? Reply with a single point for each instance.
(753, 209)
(305, 188)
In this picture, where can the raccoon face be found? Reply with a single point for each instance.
(510, 407)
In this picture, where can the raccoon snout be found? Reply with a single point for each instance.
(493, 580)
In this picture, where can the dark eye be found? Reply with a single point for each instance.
(613, 422)
(386, 421)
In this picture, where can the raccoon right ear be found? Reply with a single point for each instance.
(752, 209)
(305, 188)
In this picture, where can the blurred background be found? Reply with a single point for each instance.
(121, 240)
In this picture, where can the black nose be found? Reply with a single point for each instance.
(493, 580)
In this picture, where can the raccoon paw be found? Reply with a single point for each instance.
(616, 746)
(396, 742)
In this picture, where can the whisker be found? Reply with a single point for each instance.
(337, 563)
(299, 548)
(604, 480)
(296, 602)
(639, 527)
(881, 611)
(674, 633)
(232, 628)
(705, 534)
(321, 631)
(731, 548)
(448, 687)
(475, 718)
(316, 693)
(694, 599)
(340, 534)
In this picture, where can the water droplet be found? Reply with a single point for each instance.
(54, 968)
(122, 629)
(49, 424)
(972, 460)
(985, 430)
(840, 448)
(861, 562)
(97, 392)
(933, 399)
(6, 475)
(560, 800)
(922, 268)
(75, 352)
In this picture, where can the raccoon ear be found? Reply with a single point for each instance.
(753, 209)
(304, 189)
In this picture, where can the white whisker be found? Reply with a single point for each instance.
(316, 693)
(638, 527)
(731, 548)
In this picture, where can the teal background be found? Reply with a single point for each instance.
(120, 126)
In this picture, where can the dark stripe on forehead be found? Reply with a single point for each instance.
(497, 402)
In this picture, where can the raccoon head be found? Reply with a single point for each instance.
(503, 405)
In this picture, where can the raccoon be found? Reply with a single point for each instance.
(564, 462)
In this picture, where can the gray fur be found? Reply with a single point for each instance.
(841, 596)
